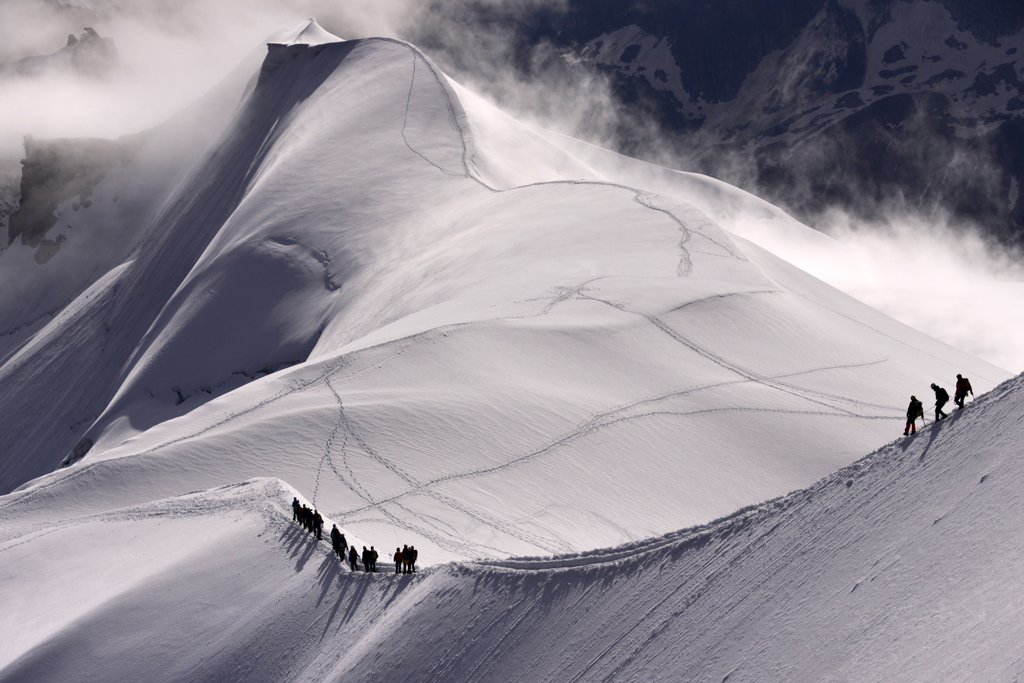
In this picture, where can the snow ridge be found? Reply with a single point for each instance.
(473, 323)
(509, 355)
(859, 567)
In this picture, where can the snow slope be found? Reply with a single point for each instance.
(376, 292)
(904, 566)
(444, 330)
(93, 237)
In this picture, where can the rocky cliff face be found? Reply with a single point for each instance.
(88, 54)
(865, 105)
(54, 172)
(10, 192)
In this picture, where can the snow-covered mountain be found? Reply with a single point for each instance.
(913, 105)
(359, 283)
(445, 315)
(89, 57)
(903, 566)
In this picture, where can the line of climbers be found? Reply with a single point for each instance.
(313, 522)
(916, 408)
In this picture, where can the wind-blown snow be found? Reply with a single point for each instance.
(440, 329)
(309, 33)
(462, 326)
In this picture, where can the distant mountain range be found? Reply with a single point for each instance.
(869, 106)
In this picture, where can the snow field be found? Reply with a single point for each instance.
(442, 329)
(487, 369)
(899, 566)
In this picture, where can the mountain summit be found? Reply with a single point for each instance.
(382, 290)
(309, 33)
(371, 291)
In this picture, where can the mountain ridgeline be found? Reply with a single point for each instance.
(546, 367)
(870, 106)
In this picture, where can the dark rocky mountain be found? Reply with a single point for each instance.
(40, 170)
(56, 171)
(869, 106)
(89, 54)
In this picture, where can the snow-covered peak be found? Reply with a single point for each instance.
(308, 32)
(377, 288)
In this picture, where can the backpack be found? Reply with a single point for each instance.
(941, 395)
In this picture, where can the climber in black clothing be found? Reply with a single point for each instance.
(338, 542)
(963, 385)
(914, 410)
(318, 524)
(353, 558)
(306, 517)
(941, 398)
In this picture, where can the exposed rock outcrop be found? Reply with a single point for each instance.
(89, 54)
(56, 171)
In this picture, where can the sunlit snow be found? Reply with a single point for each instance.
(371, 289)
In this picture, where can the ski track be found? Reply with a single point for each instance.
(685, 266)
(597, 421)
(727, 365)
(443, 541)
(185, 505)
(725, 296)
(562, 294)
(440, 537)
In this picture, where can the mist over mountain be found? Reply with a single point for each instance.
(88, 54)
(869, 107)
(630, 432)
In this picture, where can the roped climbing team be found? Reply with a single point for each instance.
(916, 408)
(313, 522)
(405, 557)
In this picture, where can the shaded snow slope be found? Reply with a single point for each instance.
(98, 228)
(903, 566)
(443, 330)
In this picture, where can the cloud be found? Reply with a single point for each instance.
(937, 275)
(932, 273)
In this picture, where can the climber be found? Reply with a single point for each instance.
(318, 524)
(963, 385)
(338, 542)
(914, 411)
(941, 398)
(353, 558)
